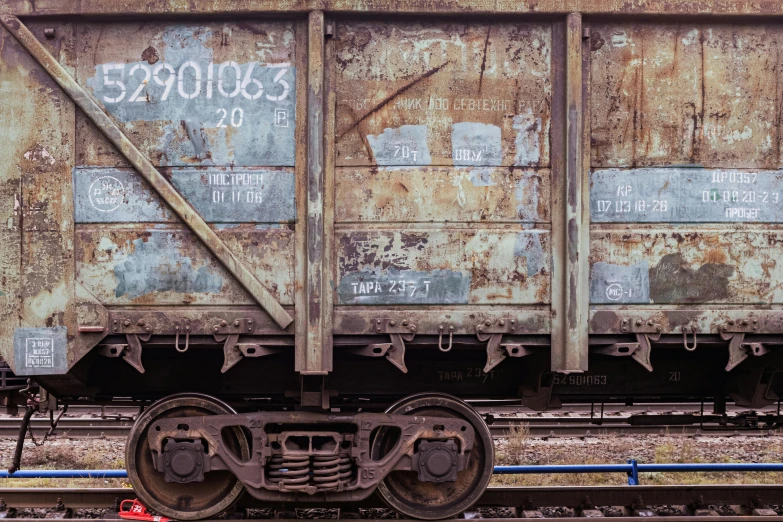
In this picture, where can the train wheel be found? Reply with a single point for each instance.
(403, 491)
(193, 500)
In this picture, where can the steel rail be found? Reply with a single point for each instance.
(528, 498)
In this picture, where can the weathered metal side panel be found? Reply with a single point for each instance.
(690, 93)
(702, 94)
(167, 265)
(38, 276)
(443, 94)
(447, 266)
(683, 264)
(442, 152)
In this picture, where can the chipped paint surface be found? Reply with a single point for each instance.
(686, 265)
(205, 94)
(467, 84)
(462, 194)
(220, 195)
(660, 195)
(404, 287)
(501, 266)
(167, 265)
(703, 94)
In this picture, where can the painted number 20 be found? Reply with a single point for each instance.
(237, 114)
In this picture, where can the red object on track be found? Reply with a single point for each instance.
(137, 511)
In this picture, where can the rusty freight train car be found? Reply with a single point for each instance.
(310, 229)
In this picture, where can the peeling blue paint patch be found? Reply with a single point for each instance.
(528, 139)
(528, 245)
(476, 144)
(404, 287)
(227, 113)
(620, 284)
(219, 195)
(406, 145)
(155, 265)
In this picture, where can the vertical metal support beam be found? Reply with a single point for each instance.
(570, 226)
(313, 362)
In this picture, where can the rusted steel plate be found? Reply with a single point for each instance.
(666, 94)
(220, 195)
(661, 195)
(464, 266)
(364, 321)
(464, 194)
(443, 94)
(606, 320)
(167, 265)
(685, 265)
(663, 7)
(193, 94)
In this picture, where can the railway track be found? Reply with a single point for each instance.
(703, 502)
(575, 421)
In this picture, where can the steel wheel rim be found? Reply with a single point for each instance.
(196, 500)
(471, 482)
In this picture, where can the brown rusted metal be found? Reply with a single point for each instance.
(421, 7)
(314, 362)
(167, 192)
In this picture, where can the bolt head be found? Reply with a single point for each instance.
(223, 323)
(487, 322)
(126, 323)
(502, 323)
(215, 328)
(236, 322)
(405, 322)
(638, 322)
(392, 323)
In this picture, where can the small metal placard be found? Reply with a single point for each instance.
(40, 351)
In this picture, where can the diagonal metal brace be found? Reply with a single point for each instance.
(143, 165)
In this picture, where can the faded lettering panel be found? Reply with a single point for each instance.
(220, 195)
(167, 266)
(441, 194)
(658, 195)
(421, 94)
(686, 266)
(704, 94)
(463, 266)
(193, 94)
(41, 351)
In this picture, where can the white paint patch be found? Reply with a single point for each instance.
(406, 145)
(39, 154)
(106, 244)
(476, 144)
(528, 140)
(691, 37)
(619, 39)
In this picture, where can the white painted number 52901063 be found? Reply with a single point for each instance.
(225, 78)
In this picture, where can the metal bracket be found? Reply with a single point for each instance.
(739, 350)
(492, 333)
(373, 350)
(638, 325)
(234, 351)
(396, 354)
(394, 326)
(221, 330)
(132, 355)
(638, 351)
(747, 325)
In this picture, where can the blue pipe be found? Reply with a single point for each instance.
(66, 473)
(628, 468)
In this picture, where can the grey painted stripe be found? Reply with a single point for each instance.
(220, 195)
(404, 287)
(686, 195)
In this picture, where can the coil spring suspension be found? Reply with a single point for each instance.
(292, 472)
(332, 470)
(325, 472)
